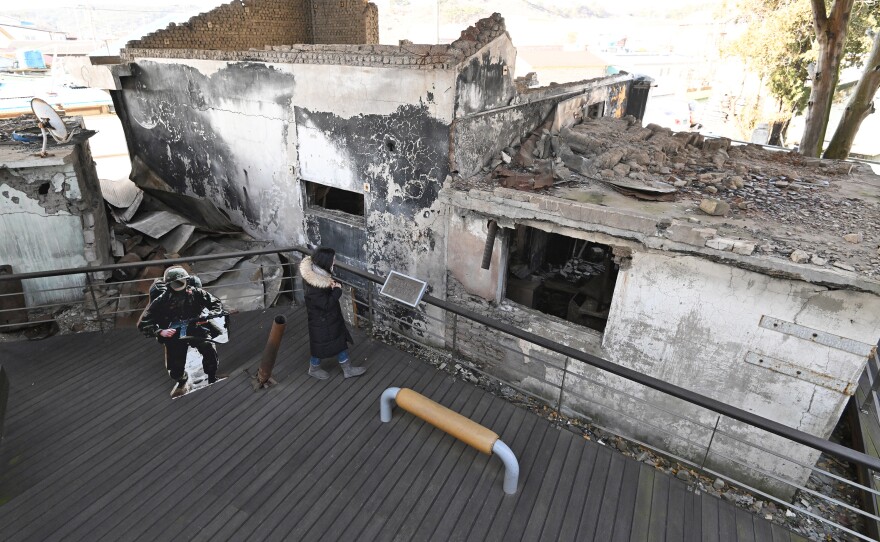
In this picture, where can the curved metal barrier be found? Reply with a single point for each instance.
(453, 423)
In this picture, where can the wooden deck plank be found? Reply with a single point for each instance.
(529, 431)
(763, 532)
(531, 472)
(726, 522)
(454, 499)
(709, 511)
(86, 426)
(113, 457)
(300, 468)
(405, 520)
(105, 491)
(545, 470)
(493, 478)
(449, 485)
(560, 499)
(659, 509)
(629, 486)
(679, 500)
(610, 504)
(595, 493)
(174, 498)
(377, 460)
(642, 511)
(693, 518)
(745, 531)
(572, 517)
(385, 488)
(232, 530)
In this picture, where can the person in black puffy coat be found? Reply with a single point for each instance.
(328, 334)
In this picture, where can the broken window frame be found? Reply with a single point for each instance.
(311, 207)
(609, 279)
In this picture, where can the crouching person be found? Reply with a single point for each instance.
(182, 302)
(328, 335)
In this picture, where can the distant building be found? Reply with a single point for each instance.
(557, 64)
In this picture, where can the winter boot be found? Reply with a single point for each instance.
(317, 372)
(349, 370)
(181, 388)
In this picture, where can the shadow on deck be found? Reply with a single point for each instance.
(96, 450)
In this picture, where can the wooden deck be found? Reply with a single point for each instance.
(96, 450)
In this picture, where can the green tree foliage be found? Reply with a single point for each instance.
(780, 46)
(777, 45)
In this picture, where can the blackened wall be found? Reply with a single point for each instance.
(403, 157)
(480, 137)
(220, 136)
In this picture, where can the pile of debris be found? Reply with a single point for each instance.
(821, 212)
(147, 228)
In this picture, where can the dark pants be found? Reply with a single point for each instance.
(175, 359)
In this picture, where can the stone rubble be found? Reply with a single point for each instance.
(814, 212)
(697, 481)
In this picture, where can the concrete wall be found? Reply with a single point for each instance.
(480, 137)
(688, 321)
(244, 135)
(52, 217)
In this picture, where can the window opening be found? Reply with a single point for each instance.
(569, 278)
(596, 110)
(334, 199)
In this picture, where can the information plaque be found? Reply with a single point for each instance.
(407, 290)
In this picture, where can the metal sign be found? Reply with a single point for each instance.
(403, 288)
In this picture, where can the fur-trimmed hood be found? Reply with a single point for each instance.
(313, 274)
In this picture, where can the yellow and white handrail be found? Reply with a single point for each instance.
(453, 423)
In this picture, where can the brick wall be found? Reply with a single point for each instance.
(239, 26)
(344, 21)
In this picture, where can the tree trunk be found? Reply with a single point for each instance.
(860, 105)
(777, 132)
(830, 35)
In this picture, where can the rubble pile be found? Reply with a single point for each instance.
(812, 211)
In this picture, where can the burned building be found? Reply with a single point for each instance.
(428, 159)
(51, 212)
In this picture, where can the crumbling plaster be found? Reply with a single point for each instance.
(211, 131)
(52, 217)
(680, 317)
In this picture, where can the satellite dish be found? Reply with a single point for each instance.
(50, 123)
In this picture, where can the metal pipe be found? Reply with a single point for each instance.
(386, 403)
(270, 353)
(511, 466)
(490, 244)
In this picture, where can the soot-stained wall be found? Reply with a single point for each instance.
(485, 81)
(403, 157)
(219, 132)
(479, 138)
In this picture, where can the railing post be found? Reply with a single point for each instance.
(709, 446)
(95, 301)
(454, 333)
(293, 270)
(562, 387)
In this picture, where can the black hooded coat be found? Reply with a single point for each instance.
(328, 334)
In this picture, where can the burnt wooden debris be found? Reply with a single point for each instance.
(96, 450)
